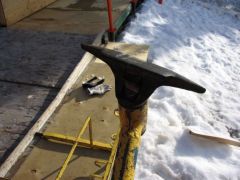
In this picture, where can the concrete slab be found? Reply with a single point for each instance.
(42, 58)
(20, 106)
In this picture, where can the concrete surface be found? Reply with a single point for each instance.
(42, 58)
(31, 63)
(20, 106)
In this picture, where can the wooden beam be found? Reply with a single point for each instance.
(79, 69)
(2, 15)
(15, 10)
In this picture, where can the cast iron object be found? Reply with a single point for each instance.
(135, 80)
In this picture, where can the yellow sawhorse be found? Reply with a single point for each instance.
(78, 141)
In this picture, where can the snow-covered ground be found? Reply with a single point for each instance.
(228, 4)
(203, 44)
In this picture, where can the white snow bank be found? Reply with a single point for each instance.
(203, 44)
(229, 4)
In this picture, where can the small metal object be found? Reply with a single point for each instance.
(94, 81)
(100, 89)
(116, 112)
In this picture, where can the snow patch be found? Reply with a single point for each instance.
(202, 43)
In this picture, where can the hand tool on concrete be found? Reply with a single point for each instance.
(94, 81)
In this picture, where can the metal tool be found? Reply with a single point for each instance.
(94, 81)
(95, 86)
(135, 81)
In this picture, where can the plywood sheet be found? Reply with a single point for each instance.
(16, 10)
(46, 158)
(2, 15)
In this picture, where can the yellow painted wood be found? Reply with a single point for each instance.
(81, 142)
(64, 166)
(109, 167)
(133, 123)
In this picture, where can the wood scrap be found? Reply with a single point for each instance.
(224, 140)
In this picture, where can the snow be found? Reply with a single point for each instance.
(202, 42)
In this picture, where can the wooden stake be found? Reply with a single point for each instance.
(215, 138)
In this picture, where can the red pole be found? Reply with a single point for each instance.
(110, 19)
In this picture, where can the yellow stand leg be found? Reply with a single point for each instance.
(133, 123)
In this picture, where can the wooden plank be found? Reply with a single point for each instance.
(224, 140)
(2, 15)
(70, 116)
(16, 10)
(14, 156)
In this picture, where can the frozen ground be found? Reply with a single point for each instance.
(202, 43)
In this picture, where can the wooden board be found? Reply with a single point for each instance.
(217, 138)
(2, 15)
(46, 157)
(85, 17)
(15, 10)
